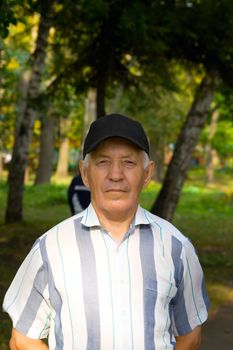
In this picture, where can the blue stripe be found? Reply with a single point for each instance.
(34, 301)
(22, 280)
(90, 286)
(151, 221)
(204, 294)
(177, 262)
(181, 323)
(193, 294)
(171, 330)
(149, 284)
(55, 300)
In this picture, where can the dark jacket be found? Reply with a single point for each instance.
(78, 195)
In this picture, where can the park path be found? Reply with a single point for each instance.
(217, 332)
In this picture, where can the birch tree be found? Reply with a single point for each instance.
(166, 202)
(14, 209)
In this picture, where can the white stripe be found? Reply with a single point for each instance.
(70, 288)
(104, 288)
(136, 291)
(17, 297)
(193, 292)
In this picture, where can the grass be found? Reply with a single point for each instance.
(204, 213)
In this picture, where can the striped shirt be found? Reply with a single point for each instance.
(84, 290)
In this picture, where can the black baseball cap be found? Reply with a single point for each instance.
(115, 125)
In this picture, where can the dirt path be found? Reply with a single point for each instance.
(218, 331)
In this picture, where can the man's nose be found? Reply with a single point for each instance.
(115, 172)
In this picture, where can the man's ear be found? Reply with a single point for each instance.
(149, 171)
(83, 172)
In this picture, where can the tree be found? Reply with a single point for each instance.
(63, 158)
(12, 83)
(100, 46)
(109, 47)
(14, 209)
(201, 36)
(44, 169)
(162, 111)
(168, 197)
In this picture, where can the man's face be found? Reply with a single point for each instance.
(116, 174)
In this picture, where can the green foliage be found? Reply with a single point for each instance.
(14, 62)
(7, 16)
(223, 139)
(202, 33)
(153, 52)
(133, 44)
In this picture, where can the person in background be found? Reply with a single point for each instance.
(114, 276)
(78, 195)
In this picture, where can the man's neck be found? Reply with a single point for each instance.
(118, 224)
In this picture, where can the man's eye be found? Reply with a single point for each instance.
(102, 162)
(129, 162)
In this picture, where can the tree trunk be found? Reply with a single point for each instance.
(44, 170)
(90, 110)
(100, 96)
(210, 152)
(22, 88)
(14, 210)
(157, 155)
(168, 197)
(63, 159)
(103, 66)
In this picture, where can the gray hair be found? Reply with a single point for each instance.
(146, 160)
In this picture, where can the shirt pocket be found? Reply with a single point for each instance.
(161, 291)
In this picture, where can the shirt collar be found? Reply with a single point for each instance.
(90, 218)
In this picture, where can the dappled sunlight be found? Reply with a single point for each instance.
(219, 295)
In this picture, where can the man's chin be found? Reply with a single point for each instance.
(115, 196)
(117, 205)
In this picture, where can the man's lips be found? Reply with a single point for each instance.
(111, 187)
(115, 190)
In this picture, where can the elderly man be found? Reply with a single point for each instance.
(113, 276)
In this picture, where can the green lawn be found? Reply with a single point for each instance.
(204, 213)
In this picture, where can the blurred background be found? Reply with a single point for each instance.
(167, 64)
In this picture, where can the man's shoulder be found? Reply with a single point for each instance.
(164, 227)
(65, 227)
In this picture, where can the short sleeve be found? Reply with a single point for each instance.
(191, 303)
(26, 300)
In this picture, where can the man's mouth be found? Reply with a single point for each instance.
(116, 189)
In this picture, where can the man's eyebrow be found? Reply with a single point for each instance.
(101, 155)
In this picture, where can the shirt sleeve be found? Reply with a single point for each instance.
(191, 303)
(27, 300)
